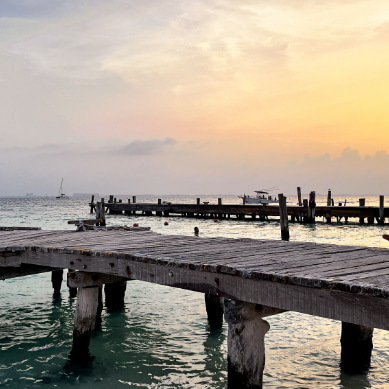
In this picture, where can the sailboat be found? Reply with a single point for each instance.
(61, 195)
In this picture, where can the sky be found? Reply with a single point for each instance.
(194, 96)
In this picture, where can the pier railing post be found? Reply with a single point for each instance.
(84, 323)
(357, 344)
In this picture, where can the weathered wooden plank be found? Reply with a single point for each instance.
(272, 273)
(82, 280)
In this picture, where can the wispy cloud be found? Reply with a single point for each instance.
(147, 147)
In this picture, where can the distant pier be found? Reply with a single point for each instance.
(306, 212)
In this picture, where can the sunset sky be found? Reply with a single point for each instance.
(190, 97)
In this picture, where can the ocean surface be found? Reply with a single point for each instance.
(162, 339)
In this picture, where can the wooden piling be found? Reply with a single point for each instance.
(357, 344)
(312, 207)
(299, 196)
(381, 212)
(329, 198)
(361, 204)
(114, 295)
(100, 213)
(56, 281)
(283, 217)
(134, 199)
(246, 342)
(215, 310)
(84, 323)
(99, 308)
(92, 204)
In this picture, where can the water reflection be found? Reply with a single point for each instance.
(215, 354)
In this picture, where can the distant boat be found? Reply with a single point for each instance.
(61, 195)
(262, 197)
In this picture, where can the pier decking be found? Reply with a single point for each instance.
(345, 283)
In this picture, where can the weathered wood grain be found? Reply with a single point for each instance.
(346, 283)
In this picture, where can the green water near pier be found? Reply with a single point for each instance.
(162, 339)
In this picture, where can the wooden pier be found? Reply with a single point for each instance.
(307, 212)
(251, 278)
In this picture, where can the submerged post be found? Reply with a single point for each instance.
(84, 323)
(357, 343)
(283, 217)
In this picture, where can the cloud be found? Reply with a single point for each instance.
(136, 148)
(348, 173)
(147, 147)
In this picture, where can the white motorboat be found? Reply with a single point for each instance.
(261, 197)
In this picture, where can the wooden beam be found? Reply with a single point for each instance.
(357, 308)
(79, 279)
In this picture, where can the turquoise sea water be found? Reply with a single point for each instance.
(162, 339)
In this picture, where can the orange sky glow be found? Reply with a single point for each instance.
(244, 93)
